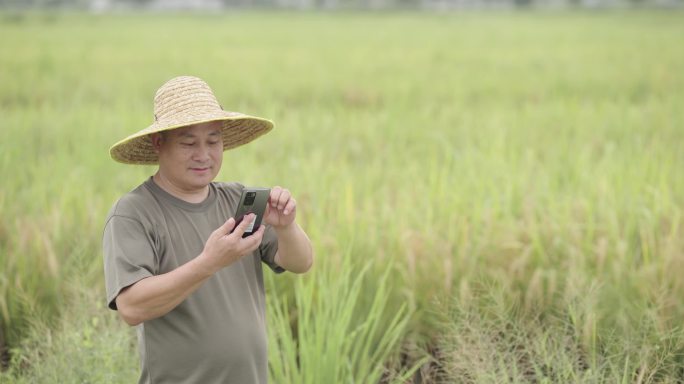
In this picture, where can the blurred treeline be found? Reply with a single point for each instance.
(214, 5)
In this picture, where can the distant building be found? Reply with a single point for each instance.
(185, 5)
(159, 5)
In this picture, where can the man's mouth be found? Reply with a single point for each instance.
(198, 169)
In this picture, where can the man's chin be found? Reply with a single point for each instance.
(203, 179)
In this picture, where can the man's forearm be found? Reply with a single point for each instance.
(156, 296)
(294, 249)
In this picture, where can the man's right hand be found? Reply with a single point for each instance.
(224, 248)
(155, 296)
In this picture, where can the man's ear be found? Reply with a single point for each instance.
(156, 139)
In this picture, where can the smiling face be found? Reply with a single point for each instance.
(189, 157)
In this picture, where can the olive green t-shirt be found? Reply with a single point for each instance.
(218, 333)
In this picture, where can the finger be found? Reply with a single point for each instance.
(253, 241)
(258, 234)
(274, 196)
(283, 199)
(226, 227)
(290, 207)
(242, 227)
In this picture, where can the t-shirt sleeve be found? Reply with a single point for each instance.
(268, 249)
(128, 255)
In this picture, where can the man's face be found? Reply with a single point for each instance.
(190, 157)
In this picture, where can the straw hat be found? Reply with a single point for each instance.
(184, 101)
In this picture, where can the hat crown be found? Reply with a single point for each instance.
(186, 96)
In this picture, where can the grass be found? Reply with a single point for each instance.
(519, 171)
(335, 338)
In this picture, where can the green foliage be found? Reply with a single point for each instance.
(492, 340)
(88, 344)
(327, 336)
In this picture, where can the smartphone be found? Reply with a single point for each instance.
(252, 200)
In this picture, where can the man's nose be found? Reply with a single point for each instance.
(202, 153)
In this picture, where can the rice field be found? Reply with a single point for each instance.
(492, 197)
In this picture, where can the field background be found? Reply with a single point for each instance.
(492, 197)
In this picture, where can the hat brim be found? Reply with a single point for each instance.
(237, 130)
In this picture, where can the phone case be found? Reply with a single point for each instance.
(252, 200)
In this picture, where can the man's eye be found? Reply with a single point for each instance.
(213, 142)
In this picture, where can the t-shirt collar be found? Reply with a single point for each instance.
(195, 207)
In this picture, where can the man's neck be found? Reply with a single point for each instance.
(191, 196)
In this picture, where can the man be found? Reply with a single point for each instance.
(172, 266)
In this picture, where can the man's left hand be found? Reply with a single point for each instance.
(281, 208)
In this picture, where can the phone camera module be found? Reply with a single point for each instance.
(249, 198)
